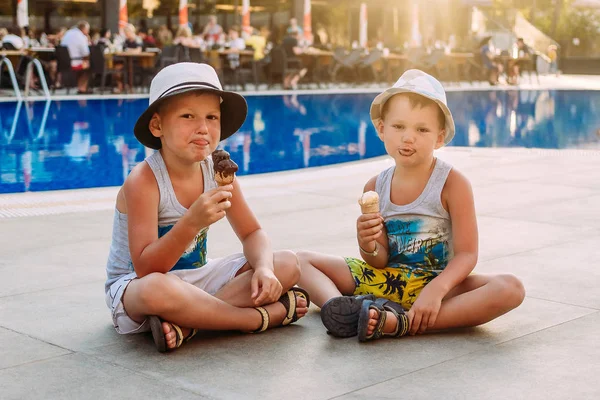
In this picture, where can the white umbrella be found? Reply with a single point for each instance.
(22, 13)
(362, 37)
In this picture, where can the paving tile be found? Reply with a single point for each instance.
(17, 348)
(557, 363)
(74, 317)
(327, 366)
(565, 272)
(79, 376)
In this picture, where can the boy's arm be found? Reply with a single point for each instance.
(457, 195)
(461, 207)
(374, 230)
(265, 286)
(149, 253)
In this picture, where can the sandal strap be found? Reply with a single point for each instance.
(265, 320)
(178, 335)
(378, 331)
(192, 333)
(399, 313)
(288, 299)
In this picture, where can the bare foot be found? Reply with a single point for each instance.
(390, 322)
(171, 335)
(277, 311)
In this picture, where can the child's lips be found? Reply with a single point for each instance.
(407, 151)
(200, 142)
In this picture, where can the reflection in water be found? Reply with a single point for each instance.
(90, 143)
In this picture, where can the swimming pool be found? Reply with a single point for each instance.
(69, 144)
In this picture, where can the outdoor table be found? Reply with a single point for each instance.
(146, 60)
(316, 60)
(13, 55)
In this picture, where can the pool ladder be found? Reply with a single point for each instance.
(28, 74)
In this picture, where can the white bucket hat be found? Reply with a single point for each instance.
(416, 81)
(185, 77)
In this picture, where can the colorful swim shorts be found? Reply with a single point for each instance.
(400, 284)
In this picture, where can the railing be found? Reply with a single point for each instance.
(29, 73)
(13, 77)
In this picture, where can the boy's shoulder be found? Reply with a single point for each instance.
(457, 187)
(140, 178)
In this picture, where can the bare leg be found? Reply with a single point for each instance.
(188, 306)
(237, 291)
(477, 300)
(324, 276)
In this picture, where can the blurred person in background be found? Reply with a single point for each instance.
(235, 44)
(212, 31)
(293, 49)
(488, 60)
(13, 40)
(184, 37)
(77, 42)
(164, 37)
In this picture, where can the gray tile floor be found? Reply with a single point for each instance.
(538, 218)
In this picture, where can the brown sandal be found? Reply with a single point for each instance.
(288, 299)
(160, 340)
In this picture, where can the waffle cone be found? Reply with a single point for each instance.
(369, 208)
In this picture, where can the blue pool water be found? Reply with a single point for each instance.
(89, 143)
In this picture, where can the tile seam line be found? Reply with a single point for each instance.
(38, 339)
(45, 290)
(530, 250)
(37, 361)
(592, 309)
(461, 356)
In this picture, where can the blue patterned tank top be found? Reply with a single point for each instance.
(420, 233)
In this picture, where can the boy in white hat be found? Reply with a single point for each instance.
(159, 277)
(419, 250)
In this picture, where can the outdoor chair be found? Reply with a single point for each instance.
(530, 66)
(68, 78)
(169, 55)
(368, 64)
(280, 65)
(98, 67)
(429, 63)
(346, 63)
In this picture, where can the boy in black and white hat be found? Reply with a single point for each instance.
(159, 277)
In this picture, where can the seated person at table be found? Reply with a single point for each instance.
(13, 40)
(292, 49)
(488, 60)
(77, 40)
(132, 44)
(523, 59)
(235, 44)
(212, 31)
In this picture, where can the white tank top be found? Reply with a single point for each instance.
(169, 212)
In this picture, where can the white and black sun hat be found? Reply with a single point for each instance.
(186, 77)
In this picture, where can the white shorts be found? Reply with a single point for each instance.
(210, 278)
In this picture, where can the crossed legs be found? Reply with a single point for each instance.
(181, 303)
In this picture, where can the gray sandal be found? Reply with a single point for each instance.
(381, 306)
(340, 314)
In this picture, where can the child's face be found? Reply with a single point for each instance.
(189, 125)
(410, 134)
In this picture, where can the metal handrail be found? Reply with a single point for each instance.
(13, 128)
(13, 77)
(28, 72)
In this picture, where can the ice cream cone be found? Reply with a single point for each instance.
(369, 203)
